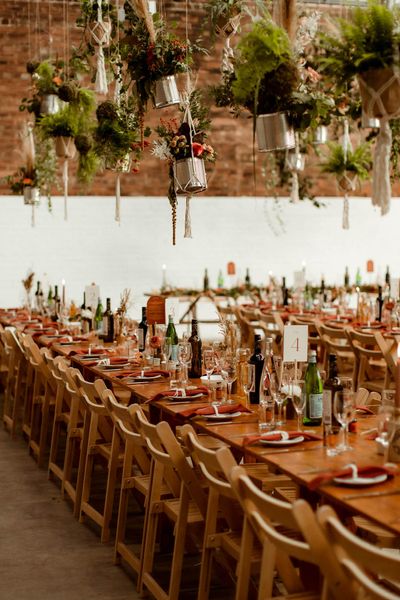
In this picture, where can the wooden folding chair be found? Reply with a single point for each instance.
(61, 417)
(135, 480)
(373, 572)
(102, 447)
(336, 341)
(371, 371)
(186, 508)
(275, 524)
(15, 366)
(272, 325)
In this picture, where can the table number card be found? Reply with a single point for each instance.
(295, 343)
(92, 294)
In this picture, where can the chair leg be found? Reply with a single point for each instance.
(179, 548)
(111, 483)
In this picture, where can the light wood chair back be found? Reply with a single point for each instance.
(375, 573)
(336, 341)
(274, 522)
(372, 372)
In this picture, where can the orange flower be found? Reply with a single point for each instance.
(27, 181)
(57, 80)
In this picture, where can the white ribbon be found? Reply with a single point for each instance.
(65, 181)
(381, 189)
(188, 222)
(118, 199)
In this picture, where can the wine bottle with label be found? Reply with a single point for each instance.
(86, 316)
(98, 319)
(247, 279)
(331, 387)
(220, 280)
(108, 323)
(257, 359)
(346, 278)
(195, 341)
(142, 331)
(173, 336)
(313, 391)
(56, 304)
(206, 283)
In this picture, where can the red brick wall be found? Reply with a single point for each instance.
(233, 173)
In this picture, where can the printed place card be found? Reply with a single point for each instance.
(295, 343)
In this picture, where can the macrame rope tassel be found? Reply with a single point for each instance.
(65, 181)
(227, 57)
(188, 221)
(33, 216)
(294, 192)
(101, 75)
(345, 220)
(381, 190)
(118, 199)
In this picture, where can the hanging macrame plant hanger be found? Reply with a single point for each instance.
(100, 31)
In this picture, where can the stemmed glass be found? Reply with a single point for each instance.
(167, 348)
(248, 377)
(228, 364)
(275, 389)
(209, 363)
(298, 401)
(184, 358)
(343, 409)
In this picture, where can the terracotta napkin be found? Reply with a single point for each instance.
(367, 471)
(277, 436)
(224, 409)
(149, 373)
(365, 410)
(173, 393)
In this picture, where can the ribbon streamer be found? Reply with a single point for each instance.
(65, 181)
(188, 221)
(381, 189)
(345, 218)
(118, 199)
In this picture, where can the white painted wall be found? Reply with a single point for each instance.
(90, 246)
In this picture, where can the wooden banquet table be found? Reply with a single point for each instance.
(302, 462)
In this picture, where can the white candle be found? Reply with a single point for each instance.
(63, 291)
(358, 299)
(164, 276)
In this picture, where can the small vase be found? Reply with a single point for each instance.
(121, 165)
(320, 135)
(31, 195)
(50, 104)
(296, 161)
(166, 92)
(369, 122)
(274, 132)
(190, 176)
(65, 147)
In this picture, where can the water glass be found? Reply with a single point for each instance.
(266, 416)
(229, 371)
(343, 408)
(247, 377)
(298, 401)
(209, 363)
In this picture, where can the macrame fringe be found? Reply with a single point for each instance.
(101, 86)
(227, 57)
(294, 192)
(381, 189)
(65, 181)
(188, 221)
(118, 199)
(346, 207)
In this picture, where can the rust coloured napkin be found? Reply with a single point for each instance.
(367, 471)
(224, 409)
(276, 437)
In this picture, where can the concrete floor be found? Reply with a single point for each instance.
(45, 554)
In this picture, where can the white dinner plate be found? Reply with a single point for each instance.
(144, 378)
(213, 378)
(288, 442)
(223, 417)
(185, 398)
(360, 481)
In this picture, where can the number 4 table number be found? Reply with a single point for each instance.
(295, 343)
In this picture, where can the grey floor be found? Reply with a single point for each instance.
(45, 554)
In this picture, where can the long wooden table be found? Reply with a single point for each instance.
(302, 462)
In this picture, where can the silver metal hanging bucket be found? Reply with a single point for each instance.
(65, 147)
(190, 176)
(274, 132)
(296, 161)
(166, 93)
(31, 195)
(369, 122)
(50, 104)
(320, 134)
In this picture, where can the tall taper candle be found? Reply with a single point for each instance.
(63, 292)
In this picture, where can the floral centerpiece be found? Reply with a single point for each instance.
(185, 149)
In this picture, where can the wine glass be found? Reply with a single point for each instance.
(184, 357)
(167, 348)
(298, 401)
(209, 363)
(275, 389)
(228, 366)
(248, 378)
(266, 416)
(343, 409)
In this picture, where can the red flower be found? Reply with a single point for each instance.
(198, 149)
(27, 181)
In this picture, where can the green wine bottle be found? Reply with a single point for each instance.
(98, 319)
(171, 333)
(313, 391)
